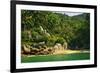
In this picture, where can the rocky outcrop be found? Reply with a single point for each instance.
(25, 49)
(43, 49)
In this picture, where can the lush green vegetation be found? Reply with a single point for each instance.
(53, 27)
(63, 57)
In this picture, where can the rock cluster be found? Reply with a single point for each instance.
(26, 49)
(42, 50)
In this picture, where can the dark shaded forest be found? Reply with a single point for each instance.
(50, 28)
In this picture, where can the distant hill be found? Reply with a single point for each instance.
(84, 16)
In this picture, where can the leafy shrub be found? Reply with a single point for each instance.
(51, 41)
(24, 36)
(60, 40)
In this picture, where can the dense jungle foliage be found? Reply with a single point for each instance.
(52, 27)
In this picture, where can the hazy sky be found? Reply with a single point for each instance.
(70, 13)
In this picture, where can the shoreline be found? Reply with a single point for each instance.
(61, 53)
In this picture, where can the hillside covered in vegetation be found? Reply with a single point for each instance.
(44, 29)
